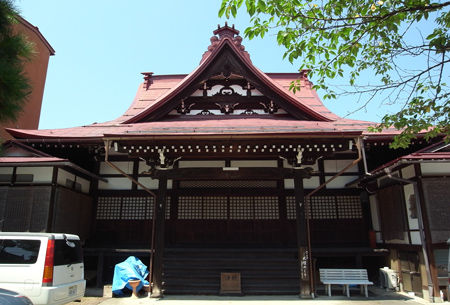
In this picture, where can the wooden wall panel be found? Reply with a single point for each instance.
(437, 202)
(24, 208)
(71, 210)
(40, 208)
(392, 212)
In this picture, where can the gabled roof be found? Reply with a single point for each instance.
(159, 94)
(149, 94)
(227, 55)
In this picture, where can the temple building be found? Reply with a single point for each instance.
(227, 171)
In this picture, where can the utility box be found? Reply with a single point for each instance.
(230, 283)
(388, 278)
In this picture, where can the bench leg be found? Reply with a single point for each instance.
(366, 291)
(347, 287)
(328, 287)
(361, 289)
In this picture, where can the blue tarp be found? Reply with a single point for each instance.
(130, 269)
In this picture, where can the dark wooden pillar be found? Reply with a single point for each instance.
(51, 207)
(302, 236)
(160, 212)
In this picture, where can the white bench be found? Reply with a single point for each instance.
(345, 277)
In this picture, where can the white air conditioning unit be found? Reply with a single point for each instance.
(388, 278)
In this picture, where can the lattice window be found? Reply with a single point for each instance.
(328, 207)
(108, 208)
(266, 207)
(190, 207)
(241, 207)
(215, 207)
(323, 207)
(135, 208)
(126, 208)
(228, 184)
(290, 207)
(349, 207)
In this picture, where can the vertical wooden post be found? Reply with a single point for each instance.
(302, 236)
(93, 192)
(100, 264)
(157, 289)
(51, 208)
(424, 225)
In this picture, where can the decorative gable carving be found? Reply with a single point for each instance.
(227, 96)
(226, 83)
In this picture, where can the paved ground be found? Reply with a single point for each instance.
(376, 297)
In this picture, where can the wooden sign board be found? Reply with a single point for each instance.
(230, 282)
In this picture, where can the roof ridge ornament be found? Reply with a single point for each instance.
(147, 79)
(225, 32)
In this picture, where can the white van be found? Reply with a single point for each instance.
(46, 267)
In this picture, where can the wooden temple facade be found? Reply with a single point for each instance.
(223, 170)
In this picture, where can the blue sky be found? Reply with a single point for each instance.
(102, 46)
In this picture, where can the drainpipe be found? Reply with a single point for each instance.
(152, 246)
(358, 142)
(358, 145)
(421, 229)
(363, 150)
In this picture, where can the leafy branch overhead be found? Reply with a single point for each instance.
(403, 45)
(15, 50)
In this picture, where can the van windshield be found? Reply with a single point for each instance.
(19, 251)
(68, 252)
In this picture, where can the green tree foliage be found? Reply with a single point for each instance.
(353, 38)
(14, 51)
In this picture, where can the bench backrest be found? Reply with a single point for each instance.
(343, 274)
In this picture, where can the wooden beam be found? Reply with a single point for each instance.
(157, 289)
(241, 173)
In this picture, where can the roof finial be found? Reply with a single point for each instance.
(147, 79)
(226, 31)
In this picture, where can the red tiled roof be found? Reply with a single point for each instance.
(306, 95)
(428, 156)
(145, 98)
(413, 157)
(201, 125)
(151, 96)
(4, 160)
